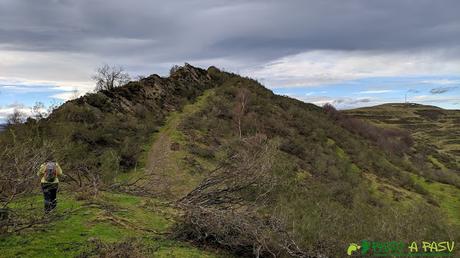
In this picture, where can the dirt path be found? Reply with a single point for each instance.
(161, 164)
(163, 172)
(160, 149)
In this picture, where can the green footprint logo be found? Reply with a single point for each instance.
(353, 247)
(365, 246)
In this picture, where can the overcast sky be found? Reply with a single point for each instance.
(350, 53)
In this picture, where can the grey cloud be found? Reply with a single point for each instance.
(16, 105)
(441, 90)
(143, 31)
(350, 101)
(338, 101)
(360, 101)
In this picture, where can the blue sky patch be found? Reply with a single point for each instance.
(439, 91)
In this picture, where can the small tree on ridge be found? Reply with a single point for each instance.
(109, 77)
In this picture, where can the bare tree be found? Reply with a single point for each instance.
(109, 77)
(174, 69)
(17, 117)
(53, 106)
(39, 111)
(140, 77)
(242, 98)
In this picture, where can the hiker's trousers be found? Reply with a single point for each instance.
(49, 194)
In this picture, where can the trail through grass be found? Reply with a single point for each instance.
(109, 219)
(161, 168)
(79, 227)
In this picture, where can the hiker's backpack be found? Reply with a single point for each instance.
(50, 171)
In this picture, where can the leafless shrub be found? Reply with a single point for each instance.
(130, 248)
(227, 208)
(243, 231)
(19, 163)
(245, 173)
(18, 166)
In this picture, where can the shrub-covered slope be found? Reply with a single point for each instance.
(335, 182)
(104, 133)
(247, 170)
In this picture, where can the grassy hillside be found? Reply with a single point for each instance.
(436, 152)
(434, 129)
(325, 170)
(112, 225)
(206, 160)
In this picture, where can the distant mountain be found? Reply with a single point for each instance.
(2, 127)
(251, 171)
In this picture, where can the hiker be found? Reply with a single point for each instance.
(49, 172)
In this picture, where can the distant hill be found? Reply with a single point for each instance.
(218, 160)
(436, 130)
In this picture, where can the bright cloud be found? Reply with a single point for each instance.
(68, 95)
(327, 66)
(375, 91)
(8, 110)
(442, 82)
(339, 102)
(36, 70)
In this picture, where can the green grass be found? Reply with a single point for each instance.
(447, 196)
(343, 155)
(174, 118)
(169, 249)
(113, 218)
(437, 163)
(395, 196)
